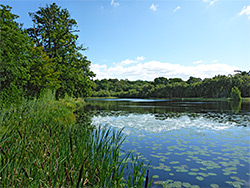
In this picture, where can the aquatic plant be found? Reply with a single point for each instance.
(42, 146)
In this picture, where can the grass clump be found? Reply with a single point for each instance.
(43, 145)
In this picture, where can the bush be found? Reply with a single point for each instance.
(235, 94)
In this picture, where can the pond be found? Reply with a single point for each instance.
(188, 143)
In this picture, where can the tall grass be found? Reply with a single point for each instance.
(42, 145)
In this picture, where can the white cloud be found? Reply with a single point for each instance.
(153, 69)
(211, 2)
(215, 61)
(154, 7)
(114, 4)
(198, 62)
(140, 58)
(245, 10)
(129, 61)
(177, 8)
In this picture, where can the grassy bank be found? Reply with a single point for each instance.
(43, 144)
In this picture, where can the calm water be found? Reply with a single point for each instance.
(189, 144)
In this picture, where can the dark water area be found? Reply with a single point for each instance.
(188, 143)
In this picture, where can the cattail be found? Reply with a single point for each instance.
(2, 150)
(25, 172)
(80, 177)
(146, 183)
(19, 134)
(71, 145)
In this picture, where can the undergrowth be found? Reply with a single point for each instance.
(43, 145)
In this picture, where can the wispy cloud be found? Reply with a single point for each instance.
(177, 8)
(129, 61)
(198, 62)
(245, 10)
(153, 69)
(210, 2)
(154, 7)
(114, 3)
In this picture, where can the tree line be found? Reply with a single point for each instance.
(45, 56)
(220, 86)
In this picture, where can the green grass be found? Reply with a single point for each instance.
(43, 145)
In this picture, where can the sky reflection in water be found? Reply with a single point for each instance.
(207, 148)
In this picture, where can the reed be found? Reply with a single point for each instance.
(42, 145)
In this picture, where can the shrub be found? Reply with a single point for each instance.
(235, 94)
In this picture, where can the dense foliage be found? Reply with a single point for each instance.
(217, 87)
(46, 142)
(44, 57)
(235, 94)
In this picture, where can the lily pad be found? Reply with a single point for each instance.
(155, 176)
(214, 185)
(185, 184)
(158, 182)
(199, 178)
(194, 169)
(174, 162)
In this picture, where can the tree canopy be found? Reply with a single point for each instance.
(54, 30)
(45, 56)
(217, 87)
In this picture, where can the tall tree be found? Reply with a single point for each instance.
(54, 30)
(14, 48)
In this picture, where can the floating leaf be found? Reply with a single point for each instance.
(174, 162)
(204, 169)
(185, 184)
(199, 178)
(214, 185)
(155, 176)
(167, 169)
(158, 182)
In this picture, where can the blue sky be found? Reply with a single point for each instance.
(145, 39)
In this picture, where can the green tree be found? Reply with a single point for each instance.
(235, 94)
(42, 73)
(54, 30)
(192, 80)
(14, 52)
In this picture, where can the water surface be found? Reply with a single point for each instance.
(189, 144)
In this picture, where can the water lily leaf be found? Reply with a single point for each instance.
(155, 176)
(214, 185)
(194, 169)
(192, 173)
(199, 178)
(185, 184)
(174, 162)
(158, 182)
